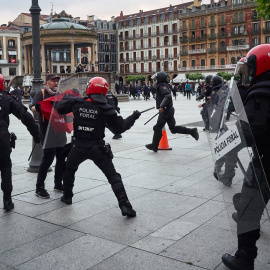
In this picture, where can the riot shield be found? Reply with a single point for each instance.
(238, 166)
(59, 125)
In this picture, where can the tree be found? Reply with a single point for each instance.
(135, 78)
(263, 8)
(225, 75)
(194, 76)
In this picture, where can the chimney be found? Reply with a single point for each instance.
(112, 18)
(197, 3)
(121, 15)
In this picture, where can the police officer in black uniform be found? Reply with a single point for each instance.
(113, 101)
(204, 95)
(255, 195)
(164, 104)
(91, 114)
(9, 105)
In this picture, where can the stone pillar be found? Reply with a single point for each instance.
(30, 60)
(72, 57)
(43, 59)
(26, 60)
(50, 60)
(93, 54)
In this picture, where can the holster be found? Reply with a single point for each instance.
(13, 139)
(106, 147)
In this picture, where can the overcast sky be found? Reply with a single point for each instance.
(104, 9)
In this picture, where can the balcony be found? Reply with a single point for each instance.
(184, 53)
(222, 49)
(222, 22)
(214, 67)
(222, 35)
(202, 38)
(212, 50)
(255, 31)
(184, 39)
(254, 44)
(192, 39)
(238, 47)
(122, 60)
(212, 37)
(235, 20)
(120, 38)
(197, 51)
(192, 27)
(254, 17)
(184, 28)
(212, 24)
(234, 34)
(12, 48)
(266, 30)
(202, 25)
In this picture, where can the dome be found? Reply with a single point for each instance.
(62, 24)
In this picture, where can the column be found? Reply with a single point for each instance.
(50, 60)
(93, 54)
(72, 57)
(26, 60)
(30, 57)
(4, 49)
(43, 58)
(19, 56)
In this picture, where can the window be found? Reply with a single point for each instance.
(267, 25)
(184, 24)
(202, 46)
(184, 64)
(212, 32)
(222, 61)
(241, 29)
(202, 62)
(193, 23)
(233, 60)
(241, 16)
(193, 63)
(12, 71)
(212, 45)
(212, 20)
(212, 62)
(11, 43)
(202, 22)
(192, 47)
(267, 40)
(255, 41)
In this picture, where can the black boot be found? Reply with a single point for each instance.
(194, 133)
(126, 207)
(241, 261)
(8, 204)
(66, 200)
(151, 147)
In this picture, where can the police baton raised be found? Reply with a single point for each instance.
(32, 151)
(148, 109)
(151, 118)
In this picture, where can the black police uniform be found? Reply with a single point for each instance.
(249, 203)
(164, 101)
(9, 105)
(90, 120)
(49, 152)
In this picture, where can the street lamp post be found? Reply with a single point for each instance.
(37, 82)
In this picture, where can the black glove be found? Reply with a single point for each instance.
(36, 138)
(38, 107)
(136, 114)
(117, 109)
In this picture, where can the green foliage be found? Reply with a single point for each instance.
(194, 76)
(263, 8)
(225, 75)
(135, 78)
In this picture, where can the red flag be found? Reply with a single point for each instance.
(58, 122)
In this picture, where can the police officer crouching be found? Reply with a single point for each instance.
(164, 104)
(91, 114)
(9, 105)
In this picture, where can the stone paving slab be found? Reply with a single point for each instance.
(183, 213)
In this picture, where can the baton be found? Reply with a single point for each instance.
(151, 118)
(148, 109)
(32, 152)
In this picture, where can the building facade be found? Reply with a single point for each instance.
(10, 53)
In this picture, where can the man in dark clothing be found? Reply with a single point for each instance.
(153, 90)
(146, 92)
(113, 101)
(164, 104)
(117, 88)
(18, 93)
(255, 194)
(49, 152)
(91, 114)
(9, 105)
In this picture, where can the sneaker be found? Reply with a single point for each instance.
(117, 136)
(126, 208)
(237, 263)
(66, 200)
(195, 134)
(151, 147)
(42, 193)
(58, 187)
(8, 205)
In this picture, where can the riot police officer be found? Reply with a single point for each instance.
(164, 104)
(9, 105)
(254, 196)
(204, 95)
(91, 114)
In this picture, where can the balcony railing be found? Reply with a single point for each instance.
(212, 50)
(197, 51)
(184, 28)
(222, 22)
(266, 30)
(184, 39)
(255, 31)
(212, 37)
(12, 48)
(254, 17)
(212, 24)
(222, 35)
(238, 47)
(202, 25)
(254, 45)
(235, 20)
(222, 49)
(234, 34)
(192, 39)
(184, 53)
(214, 67)
(202, 38)
(193, 26)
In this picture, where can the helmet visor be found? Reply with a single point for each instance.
(154, 76)
(245, 74)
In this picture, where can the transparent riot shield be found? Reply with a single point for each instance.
(59, 125)
(239, 168)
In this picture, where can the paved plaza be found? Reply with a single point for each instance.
(183, 213)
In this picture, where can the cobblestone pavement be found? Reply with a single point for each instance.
(183, 220)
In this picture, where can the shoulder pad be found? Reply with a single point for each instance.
(78, 99)
(107, 109)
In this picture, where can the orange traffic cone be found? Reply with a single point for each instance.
(164, 144)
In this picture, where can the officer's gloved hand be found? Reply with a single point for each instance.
(38, 107)
(136, 114)
(117, 109)
(36, 138)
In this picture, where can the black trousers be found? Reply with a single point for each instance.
(98, 156)
(47, 161)
(163, 118)
(5, 164)
(188, 94)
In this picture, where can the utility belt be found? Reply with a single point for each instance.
(13, 139)
(106, 147)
